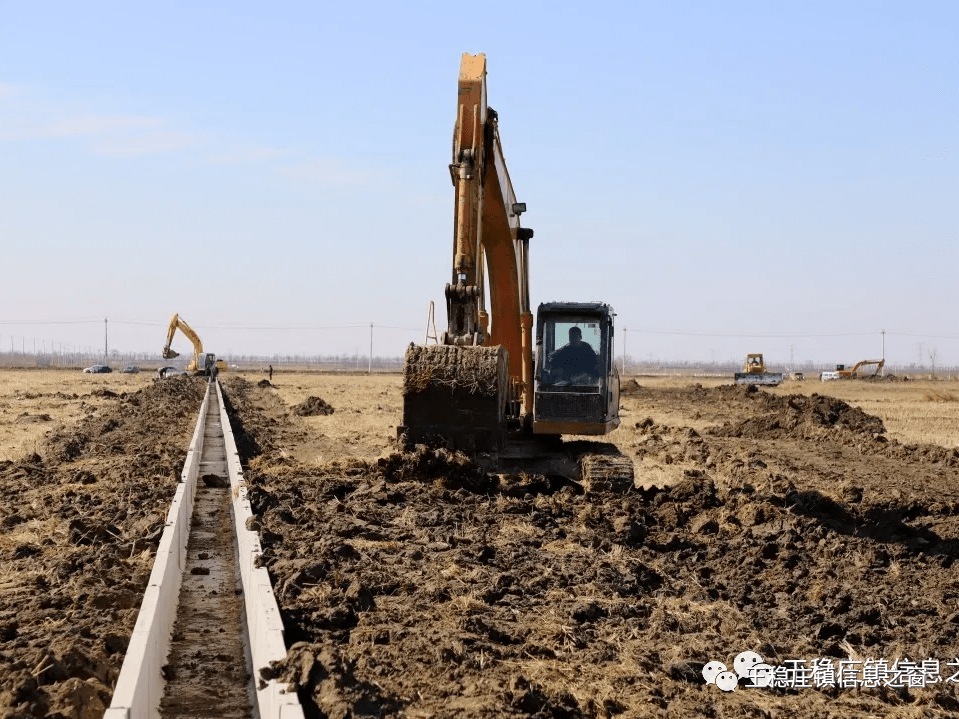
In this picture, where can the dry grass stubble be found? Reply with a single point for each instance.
(27, 395)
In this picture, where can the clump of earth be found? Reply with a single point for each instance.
(313, 407)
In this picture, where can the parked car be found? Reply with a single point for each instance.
(169, 372)
(131, 369)
(828, 376)
(97, 369)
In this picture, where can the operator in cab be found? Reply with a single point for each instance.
(571, 361)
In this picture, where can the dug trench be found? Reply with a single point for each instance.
(415, 585)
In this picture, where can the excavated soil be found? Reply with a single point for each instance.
(415, 585)
(786, 525)
(313, 407)
(81, 522)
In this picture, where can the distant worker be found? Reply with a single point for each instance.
(271, 373)
(575, 358)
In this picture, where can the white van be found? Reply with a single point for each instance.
(826, 376)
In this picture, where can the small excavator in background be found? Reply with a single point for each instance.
(478, 389)
(202, 363)
(854, 372)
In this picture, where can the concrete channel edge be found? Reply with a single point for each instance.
(140, 685)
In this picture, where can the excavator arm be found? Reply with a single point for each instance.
(488, 241)
(177, 324)
(466, 389)
(880, 363)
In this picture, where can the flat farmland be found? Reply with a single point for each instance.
(813, 522)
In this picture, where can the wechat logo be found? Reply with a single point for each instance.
(748, 667)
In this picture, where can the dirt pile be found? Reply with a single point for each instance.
(429, 589)
(313, 407)
(630, 386)
(81, 522)
(799, 416)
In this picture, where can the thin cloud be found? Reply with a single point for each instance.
(10, 90)
(98, 125)
(148, 143)
(30, 114)
(27, 115)
(241, 155)
(328, 172)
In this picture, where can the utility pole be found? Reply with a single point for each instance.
(791, 349)
(106, 344)
(920, 353)
(882, 372)
(624, 351)
(370, 368)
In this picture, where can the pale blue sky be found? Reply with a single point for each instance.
(284, 165)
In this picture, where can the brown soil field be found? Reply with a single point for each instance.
(809, 522)
(82, 510)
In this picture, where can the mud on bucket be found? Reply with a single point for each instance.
(455, 396)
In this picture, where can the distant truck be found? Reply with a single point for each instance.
(754, 372)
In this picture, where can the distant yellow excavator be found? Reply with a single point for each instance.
(854, 372)
(202, 362)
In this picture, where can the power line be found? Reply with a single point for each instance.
(791, 335)
(264, 328)
(49, 322)
(753, 334)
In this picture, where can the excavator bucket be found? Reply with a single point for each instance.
(455, 395)
(169, 354)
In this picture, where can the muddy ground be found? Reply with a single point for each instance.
(413, 585)
(787, 525)
(81, 520)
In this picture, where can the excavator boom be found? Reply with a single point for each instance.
(488, 240)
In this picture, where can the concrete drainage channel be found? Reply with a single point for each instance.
(209, 621)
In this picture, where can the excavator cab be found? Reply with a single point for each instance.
(205, 363)
(576, 384)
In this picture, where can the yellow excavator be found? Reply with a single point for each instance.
(202, 363)
(479, 389)
(854, 372)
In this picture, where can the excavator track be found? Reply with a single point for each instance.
(209, 624)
